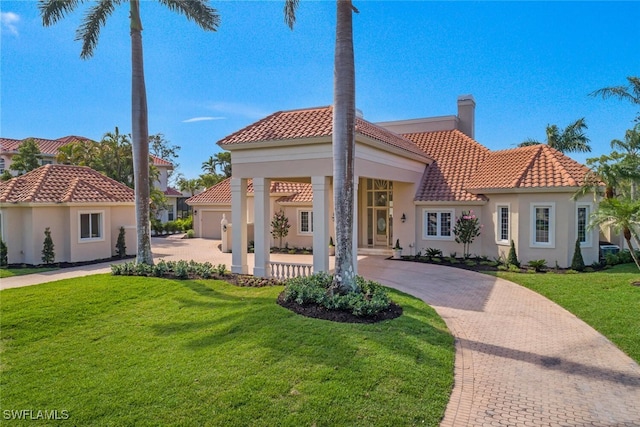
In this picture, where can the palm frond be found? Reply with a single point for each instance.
(529, 142)
(92, 23)
(198, 11)
(629, 93)
(54, 10)
(290, 7)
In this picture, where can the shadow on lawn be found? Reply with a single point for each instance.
(235, 318)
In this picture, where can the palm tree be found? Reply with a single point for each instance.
(343, 143)
(209, 166)
(197, 11)
(571, 139)
(190, 185)
(629, 93)
(623, 215)
(631, 157)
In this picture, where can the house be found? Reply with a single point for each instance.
(49, 150)
(83, 209)
(413, 178)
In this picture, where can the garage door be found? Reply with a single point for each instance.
(211, 224)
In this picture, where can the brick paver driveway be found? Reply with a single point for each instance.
(521, 360)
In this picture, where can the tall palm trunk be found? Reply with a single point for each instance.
(344, 147)
(140, 138)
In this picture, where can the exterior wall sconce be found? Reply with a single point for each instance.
(195, 212)
(403, 218)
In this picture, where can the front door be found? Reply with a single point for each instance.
(379, 213)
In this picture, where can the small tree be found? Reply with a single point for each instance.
(512, 259)
(280, 226)
(121, 247)
(48, 255)
(577, 263)
(466, 229)
(3, 253)
(27, 158)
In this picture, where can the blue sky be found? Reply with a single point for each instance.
(528, 64)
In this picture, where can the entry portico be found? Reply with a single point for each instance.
(295, 146)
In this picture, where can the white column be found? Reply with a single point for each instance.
(355, 224)
(320, 186)
(262, 212)
(239, 223)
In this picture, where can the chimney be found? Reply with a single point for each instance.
(466, 115)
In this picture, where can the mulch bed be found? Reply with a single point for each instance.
(318, 312)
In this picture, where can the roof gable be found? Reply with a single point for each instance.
(311, 123)
(64, 184)
(456, 158)
(536, 166)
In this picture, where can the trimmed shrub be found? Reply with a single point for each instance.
(577, 263)
(370, 299)
(190, 233)
(3, 253)
(512, 258)
(48, 255)
(121, 247)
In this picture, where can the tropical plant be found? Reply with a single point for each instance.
(630, 92)
(571, 139)
(280, 226)
(189, 185)
(27, 158)
(48, 254)
(208, 180)
(623, 215)
(197, 11)
(222, 161)
(466, 229)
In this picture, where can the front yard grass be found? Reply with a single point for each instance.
(10, 272)
(115, 350)
(606, 300)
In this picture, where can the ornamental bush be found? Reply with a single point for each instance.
(370, 299)
(512, 258)
(48, 255)
(577, 263)
(121, 247)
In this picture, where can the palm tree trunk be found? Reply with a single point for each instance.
(344, 147)
(140, 139)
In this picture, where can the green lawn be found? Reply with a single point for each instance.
(115, 350)
(10, 272)
(605, 300)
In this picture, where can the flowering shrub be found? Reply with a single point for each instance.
(466, 229)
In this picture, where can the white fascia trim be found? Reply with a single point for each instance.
(256, 145)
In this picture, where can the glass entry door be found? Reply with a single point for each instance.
(379, 213)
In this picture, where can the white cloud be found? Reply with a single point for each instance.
(9, 19)
(202, 119)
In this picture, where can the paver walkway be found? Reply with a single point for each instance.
(521, 360)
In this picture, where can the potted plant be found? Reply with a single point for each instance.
(397, 250)
(332, 247)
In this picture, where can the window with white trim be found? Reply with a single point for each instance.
(543, 224)
(91, 226)
(502, 224)
(2, 165)
(437, 224)
(583, 211)
(305, 222)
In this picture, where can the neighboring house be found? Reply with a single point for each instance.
(83, 209)
(49, 150)
(413, 178)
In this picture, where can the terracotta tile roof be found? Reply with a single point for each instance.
(46, 146)
(456, 158)
(537, 166)
(50, 147)
(64, 184)
(311, 123)
(170, 191)
(221, 192)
